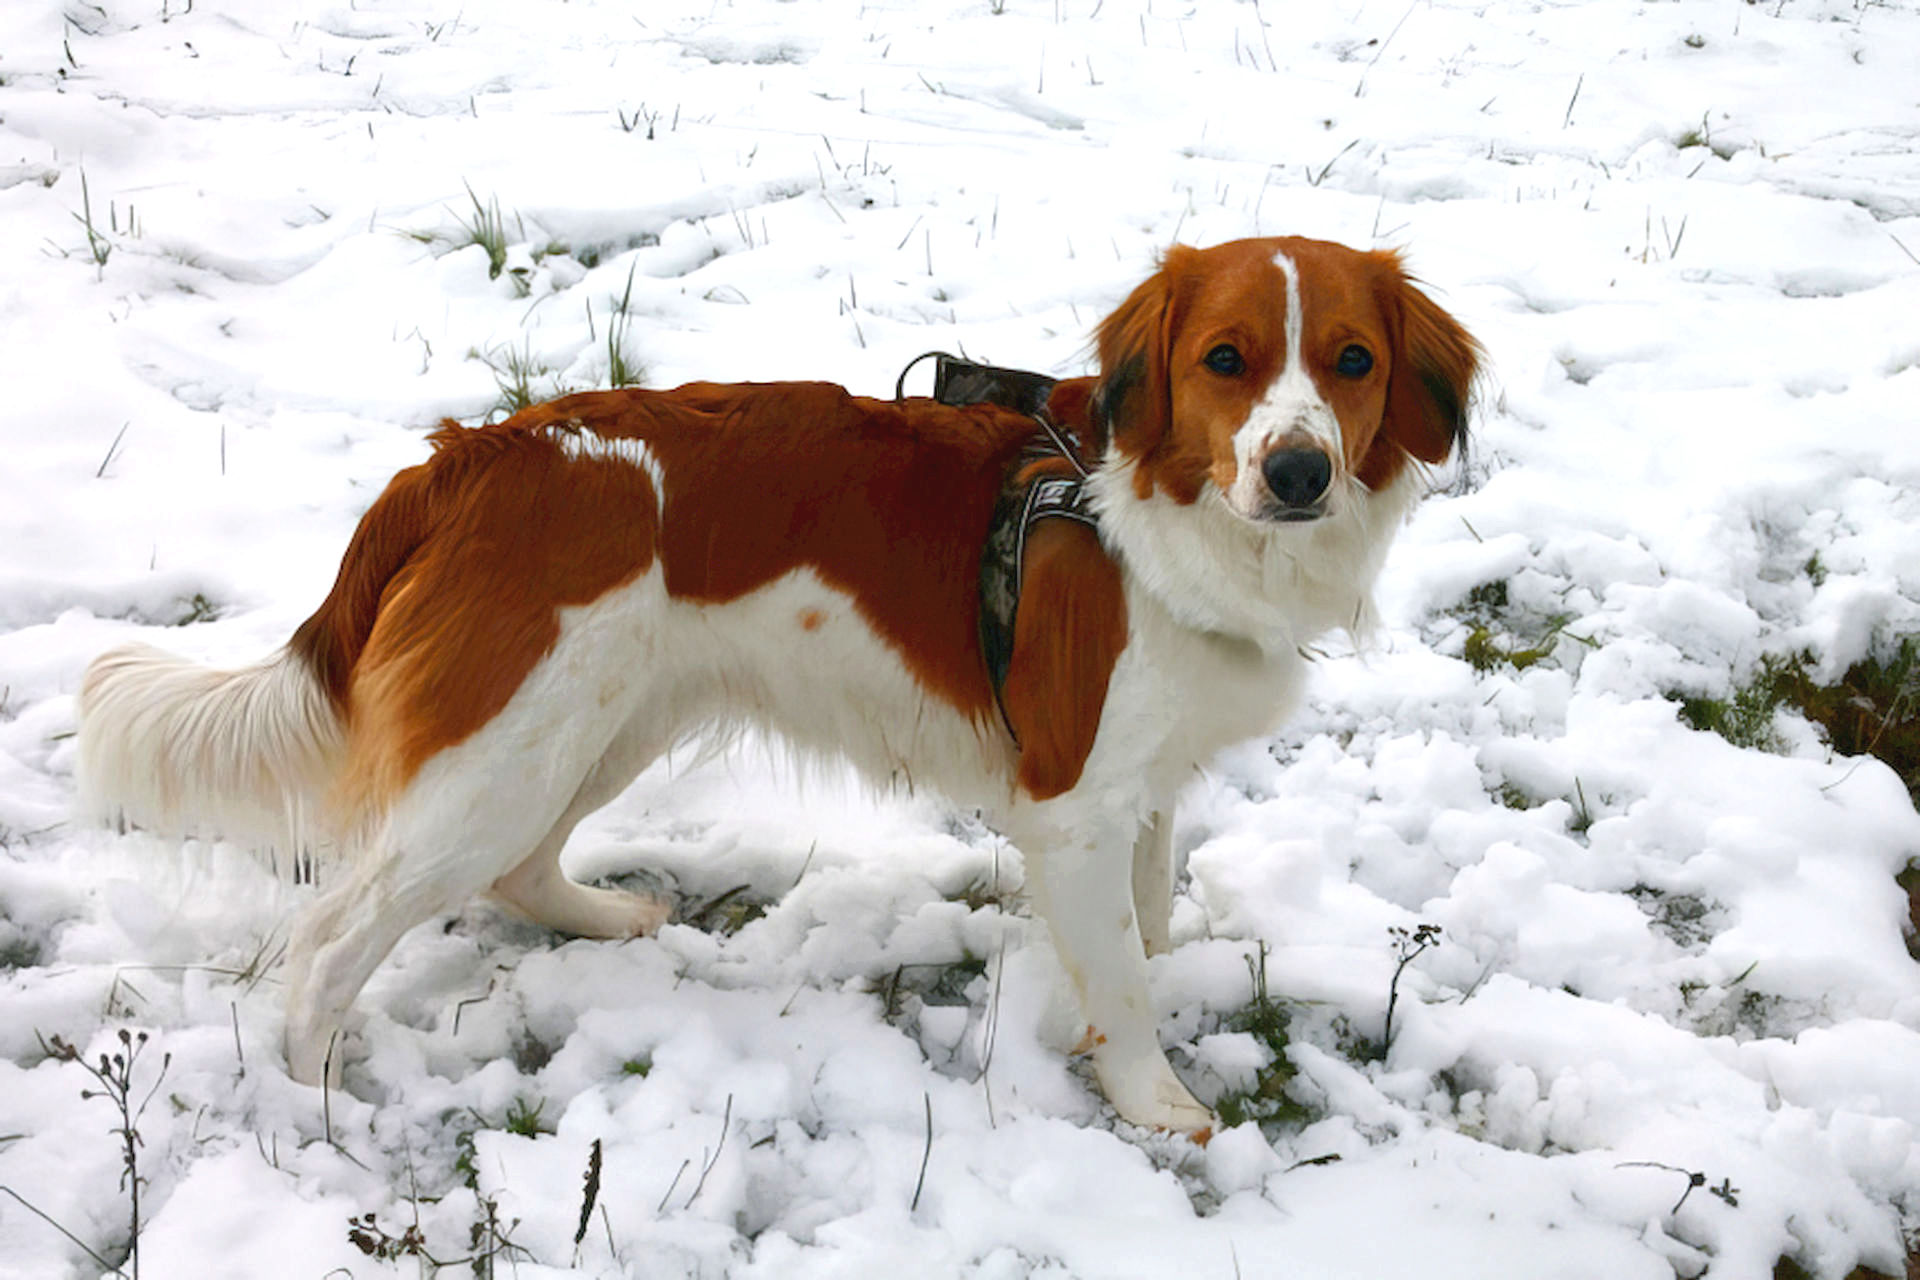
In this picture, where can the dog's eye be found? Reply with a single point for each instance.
(1355, 361)
(1225, 361)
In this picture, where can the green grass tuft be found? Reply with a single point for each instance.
(1485, 649)
(1266, 1101)
(523, 1117)
(622, 369)
(1501, 635)
(488, 230)
(1746, 718)
(515, 372)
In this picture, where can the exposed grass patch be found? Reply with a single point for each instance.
(1685, 918)
(1265, 1101)
(1511, 795)
(1486, 650)
(1500, 635)
(522, 1117)
(727, 912)
(196, 608)
(940, 984)
(20, 952)
(1746, 718)
(1874, 709)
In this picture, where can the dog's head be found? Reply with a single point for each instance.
(1285, 373)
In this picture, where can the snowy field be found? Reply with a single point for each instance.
(1670, 1026)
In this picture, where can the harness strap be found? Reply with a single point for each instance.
(1003, 562)
(1022, 502)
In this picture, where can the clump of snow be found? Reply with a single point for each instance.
(1671, 1025)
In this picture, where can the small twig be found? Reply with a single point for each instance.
(668, 1194)
(78, 1242)
(326, 1088)
(114, 1074)
(1567, 120)
(807, 862)
(112, 449)
(1409, 943)
(993, 1023)
(1259, 20)
(926, 1154)
(726, 1123)
(1361, 88)
(1726, 1190)
(1314, 180)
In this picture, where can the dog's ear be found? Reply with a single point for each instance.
(1134, 401)
(1435, 361)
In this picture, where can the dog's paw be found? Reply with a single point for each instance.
(1154, 1098)
(618, 913)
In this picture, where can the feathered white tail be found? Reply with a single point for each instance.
(186, 750)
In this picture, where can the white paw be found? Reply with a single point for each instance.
(620, 913)
(1151, 1096)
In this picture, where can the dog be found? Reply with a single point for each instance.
(525, 620)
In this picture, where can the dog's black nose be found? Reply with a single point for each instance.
(1298, 477)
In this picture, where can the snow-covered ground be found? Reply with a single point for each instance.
(1687, 232)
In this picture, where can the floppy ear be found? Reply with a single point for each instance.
(1134, 400)
(1431, 382)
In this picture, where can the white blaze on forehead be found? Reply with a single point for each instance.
(1290, 406)
(1296, 314)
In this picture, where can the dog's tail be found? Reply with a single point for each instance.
(186, 750)
(248, 755)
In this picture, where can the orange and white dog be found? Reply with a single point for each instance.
(526, 619)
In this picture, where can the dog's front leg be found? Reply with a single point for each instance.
(1083, 784)
(1079, 874)
(1153, 882)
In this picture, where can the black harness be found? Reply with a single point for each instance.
(1024, 500)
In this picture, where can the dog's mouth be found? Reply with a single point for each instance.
(1302, 514)
(1264, 514)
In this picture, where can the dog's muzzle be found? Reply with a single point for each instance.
(1298, 477)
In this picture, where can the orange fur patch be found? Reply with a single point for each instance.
(1069, 632)
(517, 528)
(451, 589)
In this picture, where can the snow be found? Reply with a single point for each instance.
(1686, 231)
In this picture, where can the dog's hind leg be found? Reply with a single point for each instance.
(342, 937)
(471, 819)
(470, 815)
(538, 889)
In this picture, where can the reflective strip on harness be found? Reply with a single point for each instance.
(1002, 564)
